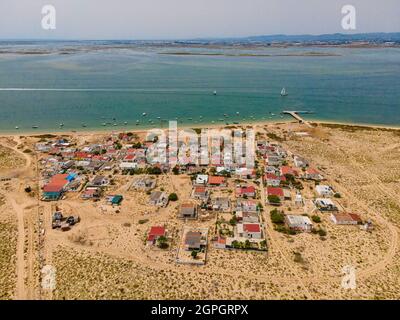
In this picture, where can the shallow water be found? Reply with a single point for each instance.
(115, 85)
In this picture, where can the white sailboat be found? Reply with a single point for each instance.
(283, 92)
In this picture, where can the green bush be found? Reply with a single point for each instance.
(273, 199)
(173, 197)
(316, 219)
(277, 217)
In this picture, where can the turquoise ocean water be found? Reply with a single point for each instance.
(116, 85)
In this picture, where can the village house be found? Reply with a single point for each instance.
(114, 199)
(324, 190)
(94, 166)
(245, 173)
(57, 185)
(273, 180)
(67, 164)
(247, 217)
(194, 240)
(270, 169)
(201, 193)
(154, 234)
(275, 191)
(216, 181)
(201, 180)
(187, 210)
(158, 198)
(286, 170)
(298, 200)
(313, 174)
(221, 204)
(99, 181)
(273, 160)
(219, 242)
(249, 230)
(245, 206)
(245, 192)
(325, 204)
(298, 223)
(300, 162)
(91, 193)
(128, 165)
(144, 183)
(345, 218)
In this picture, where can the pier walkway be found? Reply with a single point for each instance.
(295, 114)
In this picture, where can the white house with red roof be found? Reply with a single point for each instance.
(275, 191)
(249, 230)
(273, 180)
(288, 170)
(216, 181)
(313, 174)
(247, 191)
(155, 233)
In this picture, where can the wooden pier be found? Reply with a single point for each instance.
(295, 114)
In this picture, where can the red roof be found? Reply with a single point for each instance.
(244, 190)
(312, 171)
(59, 177)
(129, 157)
(273, 191)
(251, 227)
(53, 188)
(156, 232)
(288, 170)
(216, 180)
(355, 217)
(221, 240)
(199, 189)
(82, 155)
(271, 176)
(57, 183)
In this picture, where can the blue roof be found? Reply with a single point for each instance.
(71, 176)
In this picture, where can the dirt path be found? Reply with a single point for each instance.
(25, 252)
(274, 242)
(21, 292)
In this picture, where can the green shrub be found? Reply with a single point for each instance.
(277, 217)
(173, 197)
(316, 219)
(273, 199)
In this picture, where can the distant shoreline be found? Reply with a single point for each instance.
(96, 131)
(304, 54)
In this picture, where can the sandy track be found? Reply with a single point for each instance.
(26, 279)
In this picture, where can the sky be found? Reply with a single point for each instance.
(188, 19)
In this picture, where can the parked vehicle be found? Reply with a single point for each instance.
(56, 224)
(71, 220)
(65, 226)
(57, 216)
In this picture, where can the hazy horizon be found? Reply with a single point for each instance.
(189, 19)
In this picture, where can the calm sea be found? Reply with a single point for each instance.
(89, 88)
